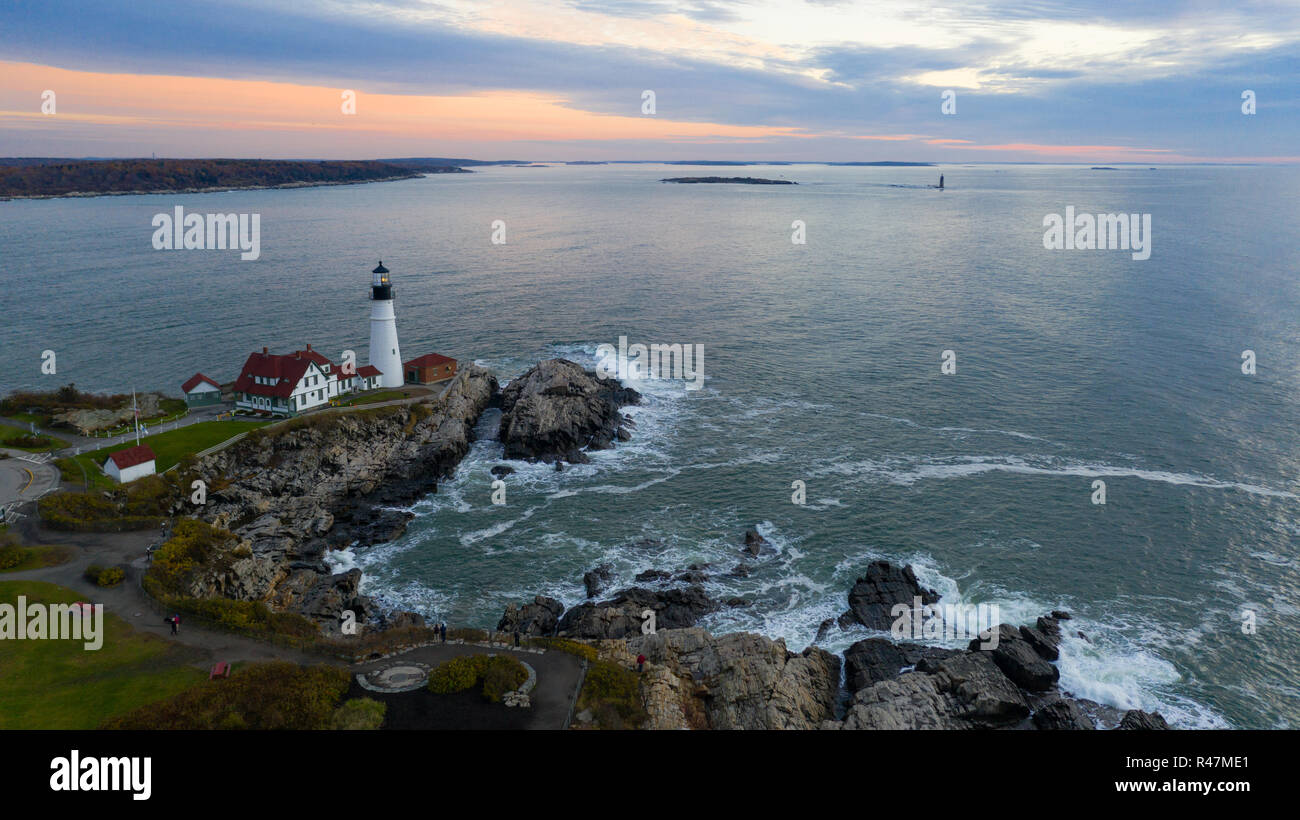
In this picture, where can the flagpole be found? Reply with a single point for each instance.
(135, 411)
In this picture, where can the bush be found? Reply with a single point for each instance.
(613, 694)
(582, 650)
(498, 674)
(359, 714)
(193, 545)
(105, 576)
(140, 505)
(503, 674)
(250, 617)
(273, 695)
(456, 675)
(11, 556)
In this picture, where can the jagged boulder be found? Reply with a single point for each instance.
(879, 589)
(1136, 719)
(1016, 657)
(965, 691)
(1062, 714)
(541, 617)
(873, 660)
(737, 681)
(620, 616)
(596, 579)
(556, 408)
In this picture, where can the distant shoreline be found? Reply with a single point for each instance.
(91, 178)
(732, 180)
(216, 190)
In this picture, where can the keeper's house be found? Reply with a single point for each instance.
(429, 369)
(130, 464)
(286, 385)
(201, 391)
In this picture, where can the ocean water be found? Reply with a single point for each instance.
(822, 365)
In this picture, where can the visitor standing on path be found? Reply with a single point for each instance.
(640, 663)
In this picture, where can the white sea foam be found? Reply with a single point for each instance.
(909, 470)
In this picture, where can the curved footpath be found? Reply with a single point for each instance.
(557, 672)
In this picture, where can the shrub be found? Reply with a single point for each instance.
(142, 504)
(253, 617)
(497, 674)
(105, 576)
(456, 675)
(12, 555)
(193, 545)
(613, 695)
(273, 695)
(503, 674)
(359, 714)
(582, 650)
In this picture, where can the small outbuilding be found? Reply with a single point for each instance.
(130, 464)
(429, 369)
(199, 391)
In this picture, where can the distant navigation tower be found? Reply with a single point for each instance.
(384, 352)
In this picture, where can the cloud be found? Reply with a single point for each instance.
(1026, 73)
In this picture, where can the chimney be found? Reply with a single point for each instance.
(309, 347)
(263, 351)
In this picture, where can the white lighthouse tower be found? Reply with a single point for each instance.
(384, 352)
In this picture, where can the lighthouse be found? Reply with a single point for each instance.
(384, 353)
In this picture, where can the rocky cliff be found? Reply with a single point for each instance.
(694, 680)
(292, 492)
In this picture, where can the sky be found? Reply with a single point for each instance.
(789, 80)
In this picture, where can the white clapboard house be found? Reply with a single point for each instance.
(285, 385)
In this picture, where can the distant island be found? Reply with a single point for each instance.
(29, 179)
(736, 180)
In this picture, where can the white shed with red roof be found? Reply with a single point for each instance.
(130, 464)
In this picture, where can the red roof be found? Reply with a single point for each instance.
(286, 371)
(320, 360)
(430, 360)
(132, 456)
(369, 370)
(194, 382)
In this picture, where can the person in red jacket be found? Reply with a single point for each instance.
(640, 663)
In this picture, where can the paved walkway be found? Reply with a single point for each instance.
(24, 477)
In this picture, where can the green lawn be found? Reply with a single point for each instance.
(29, 418)
(49, 684)
(170, 447)
(39, 557)
(371, 398)
(10, 436)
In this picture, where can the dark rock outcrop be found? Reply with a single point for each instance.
(1062, 714)
(876, 659)
(556, 408)
(754, 543)
(965, 691)
(876, 593)
(1136, 719)
(595, 580)
(738, 681)
(620, 616)
(538, 618)
(1018, 660)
